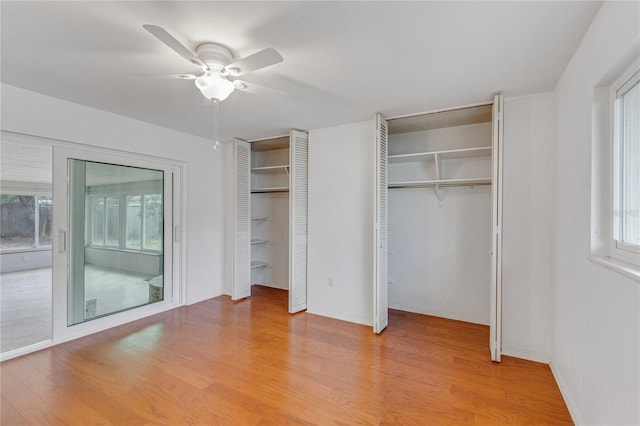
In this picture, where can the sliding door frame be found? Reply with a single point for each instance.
(175, 237)
(63, 240)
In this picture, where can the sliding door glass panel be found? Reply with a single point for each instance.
(116, 223)
(45, 204)
(18, 221)
(25, 243)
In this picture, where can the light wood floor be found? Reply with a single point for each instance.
(250, 362)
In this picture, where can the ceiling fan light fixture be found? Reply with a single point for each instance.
(214, 86)
(234, 71)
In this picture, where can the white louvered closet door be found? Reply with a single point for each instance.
(298, 199)
(380, 291)
(495, 315)
(241, 283)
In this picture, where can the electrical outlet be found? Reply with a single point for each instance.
(331, 282)
(25, 258)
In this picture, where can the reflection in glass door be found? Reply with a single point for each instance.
(116, 238)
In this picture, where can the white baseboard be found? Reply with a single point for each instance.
(458, 316)
(525, 354)
(342, 316)
(571, 405)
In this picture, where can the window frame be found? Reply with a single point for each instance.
(619, 250)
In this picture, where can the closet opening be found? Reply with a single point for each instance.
(270, 168)
(442, 202)
(270, 217)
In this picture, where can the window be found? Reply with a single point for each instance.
(112, 221)
(134, 221)
(25, 222)
(626, 169)
(141, 229)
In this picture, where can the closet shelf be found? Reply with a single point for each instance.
(483, 151)
(259, 242)
(440, 182)
(271, 169)
(259, 218)
(258, 264)
(272, 189)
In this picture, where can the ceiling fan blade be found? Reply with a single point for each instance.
(248, 87)
(183, 76)
(162, 35)
(261, 59)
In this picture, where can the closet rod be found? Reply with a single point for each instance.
(439, 185)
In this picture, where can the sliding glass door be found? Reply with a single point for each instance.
(116, 234)
(114, 245)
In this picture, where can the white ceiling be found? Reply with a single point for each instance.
(343, 61)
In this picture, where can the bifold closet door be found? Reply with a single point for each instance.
(495, 319)
(241, 280)
(298, 212)
(380, 295)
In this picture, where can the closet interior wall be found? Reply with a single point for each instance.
(270, 213)
(439, 213)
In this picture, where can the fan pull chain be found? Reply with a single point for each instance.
(216, 123)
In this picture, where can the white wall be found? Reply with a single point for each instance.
(596, 311)
(34, 114)
(527, 207)
(136, 262)
(439, 262)
(341, 188)
(24, 261)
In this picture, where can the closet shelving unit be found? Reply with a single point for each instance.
(281, 169)
(438, 159)
(442, 161)
(269, 175)
(270, 166)
(270, 189)
(270, 216)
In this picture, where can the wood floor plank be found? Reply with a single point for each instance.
(9, 415)
(251, 363)
(16, 393)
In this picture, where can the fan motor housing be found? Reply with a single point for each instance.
(214, 55)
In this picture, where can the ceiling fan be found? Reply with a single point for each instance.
(219, 71)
